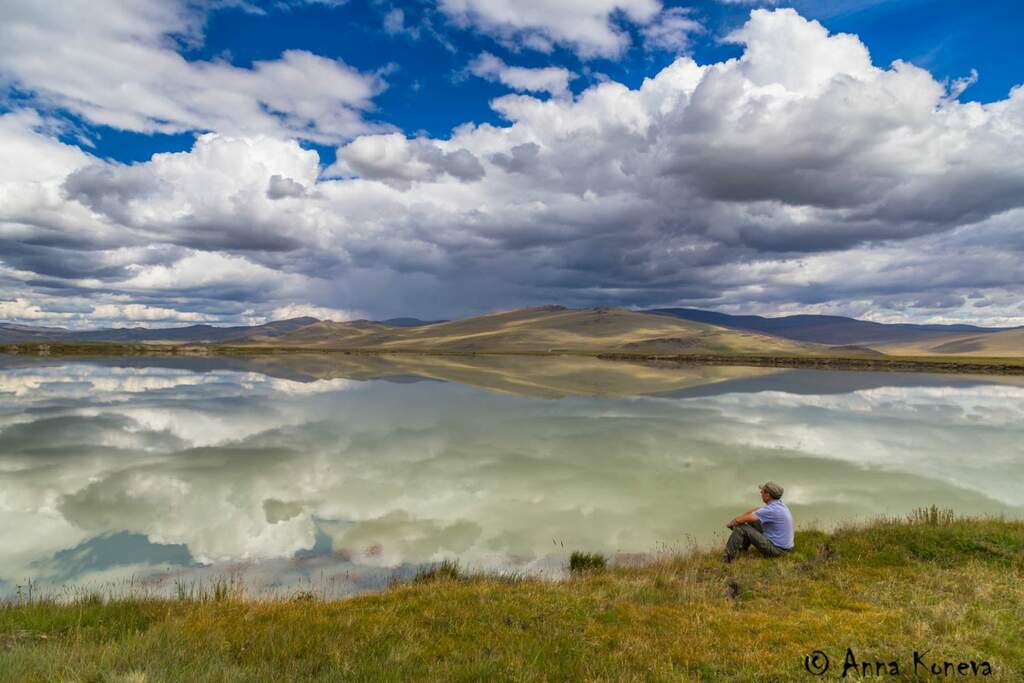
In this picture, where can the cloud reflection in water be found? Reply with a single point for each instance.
(109, 470)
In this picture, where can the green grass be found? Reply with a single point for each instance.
(950, 586)
(444, 570)
(580, 562)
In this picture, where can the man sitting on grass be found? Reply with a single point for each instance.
(768, 528)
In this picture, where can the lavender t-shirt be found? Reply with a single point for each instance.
(777, 523)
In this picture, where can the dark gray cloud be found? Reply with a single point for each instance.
(111, 190)
(58, 261)
(281, 187)
(520, 159)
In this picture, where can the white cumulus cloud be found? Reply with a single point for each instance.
(119, 63)
(584, 25)
(309, 311)
(551, 79)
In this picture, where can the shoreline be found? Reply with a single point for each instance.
(886, 590)
(940, 364)
(956, 365)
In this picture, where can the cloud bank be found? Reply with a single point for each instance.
(798, 176)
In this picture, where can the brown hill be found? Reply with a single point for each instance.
(1008, 344)
(829, 329)
(542, 329)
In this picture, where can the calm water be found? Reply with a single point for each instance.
(342, 474)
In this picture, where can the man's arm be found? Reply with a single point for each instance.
(747, 517)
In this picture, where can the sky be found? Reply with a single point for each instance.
(172, 162)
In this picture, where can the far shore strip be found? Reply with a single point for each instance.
(938, 364)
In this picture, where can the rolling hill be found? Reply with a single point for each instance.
(542, 329)
(10, 333)
(546, 329)
(1005, 344)
(829, 329)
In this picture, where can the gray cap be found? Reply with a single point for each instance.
(772, 489)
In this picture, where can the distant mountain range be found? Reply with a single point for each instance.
(190, 334)
(539, 329)
(831, 329)
(556, 328)
(410, 322)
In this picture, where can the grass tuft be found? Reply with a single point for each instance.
(230, 586)
(587, 563)
(445, 570)
(932, 516)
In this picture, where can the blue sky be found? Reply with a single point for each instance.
(227, 161)
(428, 90)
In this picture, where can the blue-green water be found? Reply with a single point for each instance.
(162, 471)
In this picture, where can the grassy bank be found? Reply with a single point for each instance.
(951, 588)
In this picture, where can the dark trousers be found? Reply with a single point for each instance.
(750, 534)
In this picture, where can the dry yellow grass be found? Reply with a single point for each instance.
(1008, 344)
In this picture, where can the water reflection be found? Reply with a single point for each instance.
(317, 468)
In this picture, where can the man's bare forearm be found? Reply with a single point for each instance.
(745, 518)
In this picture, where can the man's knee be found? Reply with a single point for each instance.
(746, 529)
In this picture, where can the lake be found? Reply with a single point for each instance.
(338, 473)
